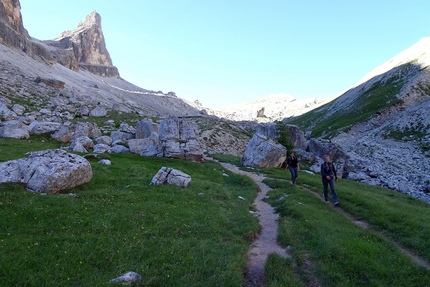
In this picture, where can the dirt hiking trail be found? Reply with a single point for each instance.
(266, 242)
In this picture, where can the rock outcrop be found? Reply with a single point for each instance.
(269, 130)
(263, 152)
(49, 170)
(87, 43)
(178, 138)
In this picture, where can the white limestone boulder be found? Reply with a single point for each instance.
(47, 170)
(263, 152)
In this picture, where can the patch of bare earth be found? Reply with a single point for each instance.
(266, 242)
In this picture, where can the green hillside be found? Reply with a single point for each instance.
(360, 109)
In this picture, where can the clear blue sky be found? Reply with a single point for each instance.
(227, 52)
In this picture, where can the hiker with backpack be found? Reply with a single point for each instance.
(329, 176)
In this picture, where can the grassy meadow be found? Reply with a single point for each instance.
(199, 236)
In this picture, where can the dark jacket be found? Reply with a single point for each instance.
(328, 170)
(292, 161)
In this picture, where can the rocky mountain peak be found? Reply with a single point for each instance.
(93, 18)
(87, 41)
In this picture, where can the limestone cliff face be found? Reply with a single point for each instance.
(10, 10)
(12, 31)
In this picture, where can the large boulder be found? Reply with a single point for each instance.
(83, 141)
(145, 128)
(104, 140)
(119, 148)
(136, 145)
(18, 109)
(149, 146)
(297, 137)
(48, 170)
(321, 148)
(98, 111)
(122, 137)
(263, 152)
(179, 140)
(152, 146)
(14, 130)
(5, 113)
(167, 175)
(69, 131)
(37, 127)
(102, 148)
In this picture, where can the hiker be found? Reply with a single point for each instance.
(328, 174)
(294, 166)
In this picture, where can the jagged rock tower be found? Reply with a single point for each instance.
(88, 45)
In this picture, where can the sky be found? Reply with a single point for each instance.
(227, 52)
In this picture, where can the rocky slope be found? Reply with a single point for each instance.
(383, 123)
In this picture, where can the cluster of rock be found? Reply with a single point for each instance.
(19, 124)
(221, 136)
(174, 137)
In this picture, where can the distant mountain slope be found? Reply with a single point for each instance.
(383, 122)
(268, 108)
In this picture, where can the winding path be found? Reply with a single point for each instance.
(266, 242)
